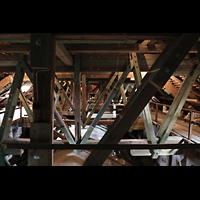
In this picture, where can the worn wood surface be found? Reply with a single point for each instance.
(160, 72)
(43, 107)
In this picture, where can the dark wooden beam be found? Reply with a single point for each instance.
(100, 147)
(95, 48)
(77, 97)
(43, 55)
(158, 75)
(63, 54)
(95, 63)
(84, 99)
(117, 36)
(20, 37)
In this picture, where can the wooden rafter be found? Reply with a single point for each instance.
(63, 54)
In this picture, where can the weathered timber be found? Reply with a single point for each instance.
(84, 99)
(12, 101)
(108, 101)
(159, 73)
(77, 93)
(43, 46)
(63, 54)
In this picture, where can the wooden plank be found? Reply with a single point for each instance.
(146, 152)
(63, 54)
(159, 73)
(5, 81)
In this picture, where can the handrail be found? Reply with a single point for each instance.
(191, 122)
(186, 109)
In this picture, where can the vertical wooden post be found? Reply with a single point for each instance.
(87, 90)
(156, 117)
(43, 64)
(190, 125)
(84, 101)
(73, 94)
(77, 92)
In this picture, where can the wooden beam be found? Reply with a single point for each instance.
(114, 48)
(63, 54)
(12, 101)
(99, 147)
(26, 106)
(84, 100)
(10, 143)
(77, 92)
(93, 48)
(94, 36)
(146, 112)
(159, 73)
(42, 46)
(63, 126)
(60, 87)
(100, 98)
(95, 63)
(117, 36)
(122, 91)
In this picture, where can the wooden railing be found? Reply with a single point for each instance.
(191, 122)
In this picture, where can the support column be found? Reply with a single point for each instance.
(43, 64)
(84, 100)
(77, 92)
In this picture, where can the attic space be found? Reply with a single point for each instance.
(99, 99)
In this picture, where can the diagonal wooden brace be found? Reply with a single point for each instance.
(176, 107)
(146, 112)
(12, 101)
(63, 92)
(160, 72)
(108, 101)
(100, 98)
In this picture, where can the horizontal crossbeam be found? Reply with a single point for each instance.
(100, 146)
